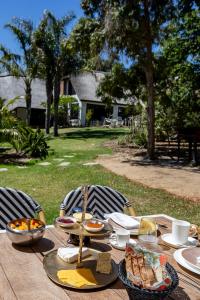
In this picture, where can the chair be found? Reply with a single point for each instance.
(16, 204)
(101, 200)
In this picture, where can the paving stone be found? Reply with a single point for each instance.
(21, 167)
(64, 164)
(68, 156)
(45, 163)
(58, 159)
(91, 164)
(3, 169)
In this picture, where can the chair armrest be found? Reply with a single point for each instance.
(131, 211)
(42, 216)
(62, 212)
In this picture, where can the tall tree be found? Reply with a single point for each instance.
(23, 65)
(58, 57)
(179, 71)
(87, 39)
(134, 28)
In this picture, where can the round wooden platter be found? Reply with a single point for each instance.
(52, 264)
(76, 230)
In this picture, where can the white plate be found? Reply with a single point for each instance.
(179, 258)
(115, 245)
(192, 252)
(168, 239)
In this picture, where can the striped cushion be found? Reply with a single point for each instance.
(16, 204)
(101, 199)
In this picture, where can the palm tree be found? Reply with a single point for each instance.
(8, 121)
(21, 65)
(57, 58)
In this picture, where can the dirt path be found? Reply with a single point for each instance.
(180, 181)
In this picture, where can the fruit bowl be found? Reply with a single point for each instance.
(93, 225)
(66, 222)
(25, 231)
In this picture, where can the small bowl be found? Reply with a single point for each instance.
(93, 229)
(25, 237)
(78, 216)
(62, 221)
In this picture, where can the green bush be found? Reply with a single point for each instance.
(125, 140)
(30, 142)
(89, 117)
(140, 138)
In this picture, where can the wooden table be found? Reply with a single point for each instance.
(22, 275)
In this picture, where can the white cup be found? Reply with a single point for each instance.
(180, 231)
(123, 237)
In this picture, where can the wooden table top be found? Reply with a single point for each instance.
(22, 275)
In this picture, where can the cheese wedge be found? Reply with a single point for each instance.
(70, 254)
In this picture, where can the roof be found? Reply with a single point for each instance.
(11, 87)
(86, 83)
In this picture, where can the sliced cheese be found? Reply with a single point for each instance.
(77, 277)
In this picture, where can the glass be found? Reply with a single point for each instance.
(148, 230)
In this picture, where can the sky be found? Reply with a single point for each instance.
(32, 9)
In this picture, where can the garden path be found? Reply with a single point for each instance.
(178, 180)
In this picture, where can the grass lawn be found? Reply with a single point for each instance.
(49, 184)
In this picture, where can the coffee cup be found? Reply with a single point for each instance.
(180, 231)
(122, 236)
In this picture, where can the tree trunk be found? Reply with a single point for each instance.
(150, 85)
(28, 98)
(150, 113)
(49, 92)
(56, 102)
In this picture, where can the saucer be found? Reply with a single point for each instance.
(168, 239)
(179, 258)
(114, 244)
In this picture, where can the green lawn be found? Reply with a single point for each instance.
(51, 183)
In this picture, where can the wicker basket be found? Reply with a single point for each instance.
(138, 293)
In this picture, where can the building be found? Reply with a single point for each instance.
(83, 87)
(11, 87)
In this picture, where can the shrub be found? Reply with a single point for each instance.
(89, 117)
(140, 138)
(30, 142)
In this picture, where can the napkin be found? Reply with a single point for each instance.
(123, 220)
(70, 254)
(146, 268)
(77, 277)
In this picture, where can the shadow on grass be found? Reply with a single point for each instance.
(91, 133)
